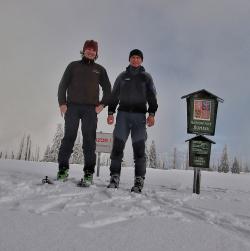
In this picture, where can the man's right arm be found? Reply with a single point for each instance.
(114, 100)
(151, 96)
(63, 86)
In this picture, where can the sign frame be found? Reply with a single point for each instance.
(199, 152)
(202, 107)
(104, 142)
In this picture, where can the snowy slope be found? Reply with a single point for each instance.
(166, 216)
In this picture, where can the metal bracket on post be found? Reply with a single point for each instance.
(197, 180)
(98, 164)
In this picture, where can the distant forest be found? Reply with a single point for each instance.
(175, 160)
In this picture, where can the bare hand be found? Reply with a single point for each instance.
(99, 108)
(150, 120)
(110, 119)
(63, 109)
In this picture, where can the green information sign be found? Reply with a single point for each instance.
(202, 112)
(202, 115)
(199, 153)
(202, 109)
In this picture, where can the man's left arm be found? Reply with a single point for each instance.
(152, 101)
(106, 88)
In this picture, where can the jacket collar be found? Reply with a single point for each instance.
(87, 61)
(134, 71)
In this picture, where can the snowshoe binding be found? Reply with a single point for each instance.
(63, 174)
(47, 180)
(86, 181)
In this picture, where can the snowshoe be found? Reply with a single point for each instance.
(47, 180)
(86, 181)
(63, 174)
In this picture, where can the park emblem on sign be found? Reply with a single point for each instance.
(201, 112)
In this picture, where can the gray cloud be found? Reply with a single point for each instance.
(188, 45)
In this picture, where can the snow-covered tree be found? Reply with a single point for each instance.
(105, 159)
(77, 155)
(224, 164)
(54, 149)
(152, 158)
(161, 164)
(21, 148)
(51, 152)
(24, 152)
(235, 167)
(46, 154)
(175, 159)
(37, 154)
(214, 167)
(247, 168)
(27, 152)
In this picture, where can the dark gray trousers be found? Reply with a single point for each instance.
(88, 117)
(126, 123)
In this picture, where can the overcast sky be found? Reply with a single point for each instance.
(188, 45)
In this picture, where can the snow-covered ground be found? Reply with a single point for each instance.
(166, 216)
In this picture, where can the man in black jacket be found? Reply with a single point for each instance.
(135, 93)
(78, 98)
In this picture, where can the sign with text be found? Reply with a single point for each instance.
(202, 115)
(199, 151)
(199, 154)
(202, 109)
(104, 142)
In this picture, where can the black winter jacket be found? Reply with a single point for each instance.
(133, 90)
(81, 81)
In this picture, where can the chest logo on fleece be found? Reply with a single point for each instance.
(96, 71)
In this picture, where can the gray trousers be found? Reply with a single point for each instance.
(126, 123)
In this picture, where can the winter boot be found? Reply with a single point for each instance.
(138, 185)
(63, 174)
(87, 180)
(114, 181)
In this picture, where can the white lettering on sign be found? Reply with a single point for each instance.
(203, 128)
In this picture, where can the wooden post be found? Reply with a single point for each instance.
(98, 164)
(197, 180)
